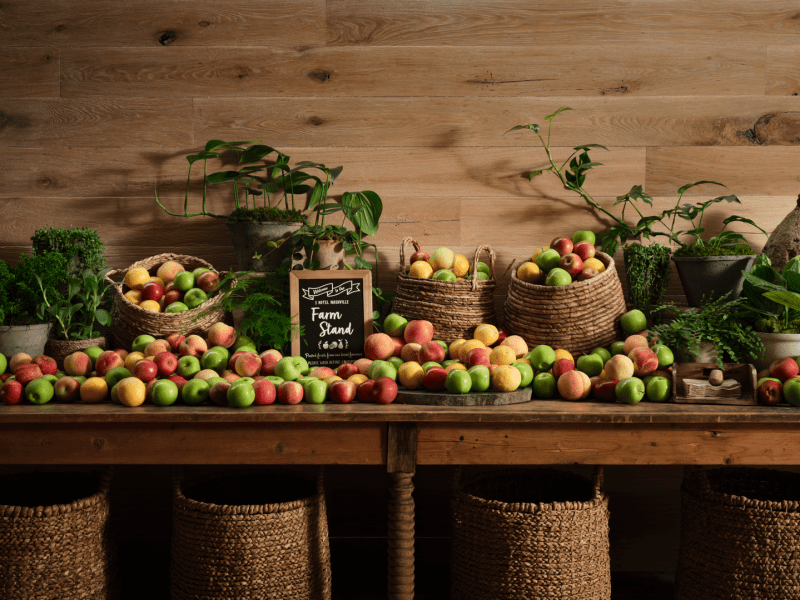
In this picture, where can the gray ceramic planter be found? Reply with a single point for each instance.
(250, 240)
(707, 276)
(30, 339)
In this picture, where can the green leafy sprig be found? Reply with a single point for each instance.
(78, 312)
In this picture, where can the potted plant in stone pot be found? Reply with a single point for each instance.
(22, 328)
(259, 228)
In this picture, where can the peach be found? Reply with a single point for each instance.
(442, 258)
(18, 359)
(363, 365)
(398, 345)
(410, 375)
(323, 372)
(331, 379)
(290, 392)
(156, 347)
(269, 358)
(634, 341)
(571, 385)
(456, 366)
(219, 393)
(502, 355)
(174, 340)
(229, 376)
(347, 370)
(193, 345)
(248, 364)
(379, 346)
(167, 271)
(644, 361)
(479, 356)
(517, 344)
(561, 366)
(122, 352)
(107, 361)
(410, 352)
(618, 367)
(221, 334)
(418, 331)
(78, 364)
(47, 364)
(431, 352)
(205, 374)
(133, 296)
(358, 378)
(27, 372)
(465, 348)
(455, 347)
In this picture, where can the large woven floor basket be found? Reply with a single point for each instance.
(250, 534)
(129, 320)
(576, 317)
(530, 533)
(740, 535)
(454, 308)
(55, 541)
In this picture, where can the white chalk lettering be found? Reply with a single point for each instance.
(318, 314)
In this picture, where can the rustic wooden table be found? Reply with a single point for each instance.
(401, 437)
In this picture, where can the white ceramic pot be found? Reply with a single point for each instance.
(777, 345)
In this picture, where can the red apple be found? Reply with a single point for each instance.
(172, 296)
(174, 340)
(585, 249)
(265, 392)
(67, 389)
(561, 366)
(587, 273)
(419, 255)
(178, 380)
(207, 281)
(572, 264)
(107, 361)
(346, 370)
(364, 390)
(783, 368)
(166, 363)
(47, 365)
(147, 369)
(152, 291)
(342, 392)
(605, 390)
(384, 391)
(563, 245)
(27, 372)
(11, 392)
(501, 335)
(770, 392)
(434, 379)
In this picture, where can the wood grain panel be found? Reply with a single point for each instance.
(217, 444)
(28, 73)
(422, 172)
(446, 122)
(767, 171)
(691, 69)
(71, 23)
(96, 123)
(478, 22)
(783, 70)
(516, 444)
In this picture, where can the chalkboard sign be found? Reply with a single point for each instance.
(335, 310)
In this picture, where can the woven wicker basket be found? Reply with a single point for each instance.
(129, 320)
(62, 550)
(530, 533)
(250, 534)
(60, 349)
(740, 535)
(454, 308)
(577, 317)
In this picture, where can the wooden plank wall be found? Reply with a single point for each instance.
(100, 99)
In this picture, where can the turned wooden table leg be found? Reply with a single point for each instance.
(401, 465)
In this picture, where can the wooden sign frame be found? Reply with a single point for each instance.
(363, 275)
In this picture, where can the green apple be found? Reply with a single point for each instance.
(242, 395)
(396, 361)
(176, 307)
(458, 381)
(630, 390)
(763, 379)
(316, 391)
(382, 368)
(483, 276)
(291, 368)
(394, 325)
(447, 363)
(544, 386)
(591, 364)
(184, 281)
(164, 392)
(305, 379)
(276, 381)
(527, 373)
(80, 378)
(604, 353)
(483, 268)
(39, 391)
(633, 321)
(3, 364)
(139, 344)
(214, 359)
(617, 347)
(117, 374)
(194, 298)
(791, 391)
(196, 272)
(548, 260)
(243, 381)
(481, 378)
(51, 378)
(445, 275)
(428, 365)
(659, 389)
(542, 357)
(558, 276)
(584, 235)
(188, 366)
(222, 350)
(665, 356)
(213, 380)
(241, 341)
(195, 391)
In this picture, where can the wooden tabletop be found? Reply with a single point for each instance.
(537, 411)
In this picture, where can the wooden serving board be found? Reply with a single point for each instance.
(429, 398)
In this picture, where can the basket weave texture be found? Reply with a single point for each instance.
(577, 317)
(264, 551)
(129, 320)
(61, 349)
(454, 308)
(530, 533)
(61, 550)
(740, 535)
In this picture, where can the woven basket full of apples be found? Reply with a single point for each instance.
(164, 294)
(567, 296)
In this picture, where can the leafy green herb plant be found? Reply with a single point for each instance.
(81, 246)
(79, 311)
(772, 296)
(22, 287)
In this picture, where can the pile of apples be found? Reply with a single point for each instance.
(445, 265)
(172, 289)
(780, 382)
(565, 261)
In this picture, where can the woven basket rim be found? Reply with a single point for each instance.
(65, 342)
(101, 495)
(180, 499)
(698, 485)
(607, 260)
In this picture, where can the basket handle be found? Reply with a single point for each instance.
(405, 241)
(598, 482)
(491, 255)
(114, 272)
